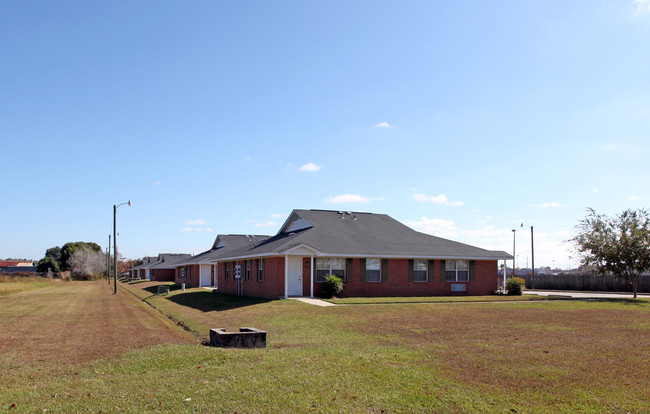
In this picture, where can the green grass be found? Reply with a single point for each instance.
(433, 299)
(525, 357)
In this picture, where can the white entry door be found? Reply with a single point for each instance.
(294, 276)
(206, 277)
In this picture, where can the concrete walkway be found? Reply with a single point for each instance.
(312, 301)
(586, 295)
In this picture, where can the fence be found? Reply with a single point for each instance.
(607, 283)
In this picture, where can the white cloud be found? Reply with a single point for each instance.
(156, 183)
(198, 222)
(186, 229)
(208, 229)
(266, 224)
(197, 229)
(633, 197)
(551, 204)
(276, 215)
(437, 227)
(352, 198)
(642, 6)
(439, 199)
(310, 167)
(384, 125)
(594, 190)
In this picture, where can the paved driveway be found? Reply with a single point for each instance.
(586, 295)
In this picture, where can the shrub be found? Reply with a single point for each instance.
(332, 286)
(515, 286)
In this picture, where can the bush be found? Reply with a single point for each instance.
(48, 263)
(85, 276)
(332, 286)
(515, 286)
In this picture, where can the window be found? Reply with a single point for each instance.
(373, 270)
(226, 273)
(456, 271)
(329, 266)
(182, 273)
(420, 271)
(260, 270)
(248, 270)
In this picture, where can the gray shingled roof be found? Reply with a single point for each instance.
(332, 233)
(169, 260)
(147, 261)
(223, 245)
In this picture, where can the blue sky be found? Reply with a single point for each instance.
(462, 120)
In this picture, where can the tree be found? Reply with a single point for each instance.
(68, 250)
(618, 245)
(54, 253)
(87, 264)
(48, 263)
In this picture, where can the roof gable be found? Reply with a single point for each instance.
(295, 222)
(356, 234)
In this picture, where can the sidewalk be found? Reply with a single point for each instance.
(312, 301)
(586, 295)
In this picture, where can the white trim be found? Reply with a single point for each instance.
(301, 246)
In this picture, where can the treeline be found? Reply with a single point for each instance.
(84, 260)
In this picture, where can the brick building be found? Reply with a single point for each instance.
(375, 254)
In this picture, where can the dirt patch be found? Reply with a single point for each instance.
(79, 322)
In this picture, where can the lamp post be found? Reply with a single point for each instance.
(514, 256)
(115, 244)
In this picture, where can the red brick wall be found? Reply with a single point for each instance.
(162, 275)
(191, 276)
(272, 287)
(485, 281)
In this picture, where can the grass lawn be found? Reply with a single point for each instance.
(433, 299)
(539, 356)
(16, 284)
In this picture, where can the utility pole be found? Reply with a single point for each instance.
(108, 261)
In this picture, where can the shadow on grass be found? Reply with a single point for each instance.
(207, 301)
(624, 301)
(154, 288)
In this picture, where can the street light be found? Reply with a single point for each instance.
(115, 244)
(514, 263)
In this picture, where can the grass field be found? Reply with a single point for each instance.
(10, 285)
(541, 356)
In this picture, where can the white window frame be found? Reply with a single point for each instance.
(373, 266)
(423, 263)
(457, 271)
(248, 269)
(226, 273)
(329, 265)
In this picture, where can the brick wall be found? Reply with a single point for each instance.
(271, 287)
(398, 284)
(162, 275)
